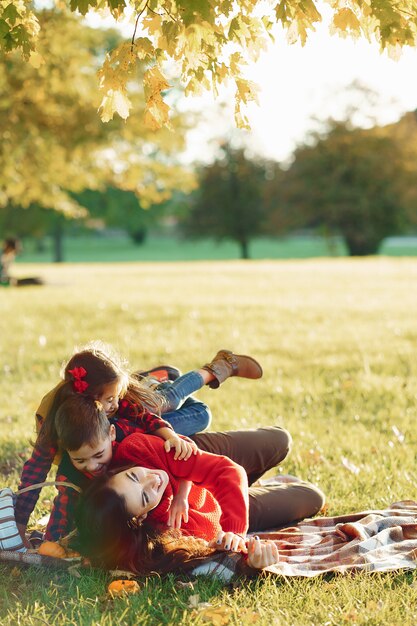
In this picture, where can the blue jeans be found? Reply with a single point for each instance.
(186, 415)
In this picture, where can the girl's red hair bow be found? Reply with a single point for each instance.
(77, 374)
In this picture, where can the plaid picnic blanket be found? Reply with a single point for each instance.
(371, 541)
(34, 559)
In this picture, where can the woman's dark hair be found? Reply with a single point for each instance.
(102, 366)
(107, 537)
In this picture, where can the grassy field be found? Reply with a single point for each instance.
(158, 248)
(337, 339)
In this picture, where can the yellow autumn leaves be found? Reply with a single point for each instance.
(210, 42)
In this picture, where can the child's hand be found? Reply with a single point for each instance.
(178, 512)
(229, 541)
(183, 449)
(261, 553)
(22, 532)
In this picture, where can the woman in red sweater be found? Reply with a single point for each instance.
(123, 517)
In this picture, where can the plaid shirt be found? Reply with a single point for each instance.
(61, 521)
(36, 469)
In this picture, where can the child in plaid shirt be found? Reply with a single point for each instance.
(88, 441)
(98, 373)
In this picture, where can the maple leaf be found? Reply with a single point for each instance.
(4, 28)
(117, 5)
(241, 120)
(154, 82)
(169, 41)
(11, 13)
(115, 101)
(247, 90)
(82, 5)
(200, 9)
(22, 38)
(156, 113)
(153, 23)
(345, 22)
(144, 48)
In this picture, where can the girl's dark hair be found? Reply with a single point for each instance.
(102, 366)
(109, 540)
(79, 421)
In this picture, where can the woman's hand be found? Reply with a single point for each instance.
(229, 541)
(178, 511)
(183, 449)
(261, 553)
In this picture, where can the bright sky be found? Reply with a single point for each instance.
(298, 83)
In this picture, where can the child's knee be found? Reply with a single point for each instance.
(205, 416)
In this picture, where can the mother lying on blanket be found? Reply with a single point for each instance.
(123, 516)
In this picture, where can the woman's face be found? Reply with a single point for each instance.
(141, 488)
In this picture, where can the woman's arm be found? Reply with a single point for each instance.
(178, 511)
(226, 480)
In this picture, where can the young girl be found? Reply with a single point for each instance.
(122, 517)
(98, 373)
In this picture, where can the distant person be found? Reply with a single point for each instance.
(11, 248)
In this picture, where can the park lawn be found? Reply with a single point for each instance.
(337, 339)
(87, 249)
(157, 247)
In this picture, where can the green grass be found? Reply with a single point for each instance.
(85, 249)
(337, 339)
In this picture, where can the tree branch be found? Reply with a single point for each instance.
(136, 24)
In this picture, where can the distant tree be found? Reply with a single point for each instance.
(53, 143)
(353, 182)
(117, 208)
(230, 202)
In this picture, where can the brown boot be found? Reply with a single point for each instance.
(226, 364)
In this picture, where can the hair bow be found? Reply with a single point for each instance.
(77, 374)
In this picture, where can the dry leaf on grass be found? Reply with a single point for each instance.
(119, 588)
(73, 571)
(15, 572)
(193, 601)
(52, 548)
(218, 616)
(185, 585)
(249, 616)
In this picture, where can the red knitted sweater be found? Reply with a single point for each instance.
(218, 499)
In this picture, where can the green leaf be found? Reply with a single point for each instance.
(117, 4)
(4, 28)
(22, 39)
(11, 13)
(82, 5)
(196, 11)
(8, 42)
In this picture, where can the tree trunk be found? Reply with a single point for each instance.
(58, 239)
(361, 246)
(244, 249)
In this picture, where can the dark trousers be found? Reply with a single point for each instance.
(258, 450)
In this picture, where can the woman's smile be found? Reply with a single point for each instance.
(141, 488)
